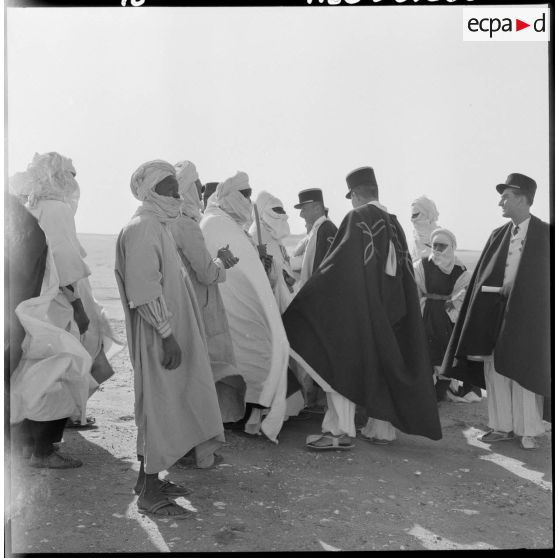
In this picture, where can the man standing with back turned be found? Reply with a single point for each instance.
(356, 328)
(503, 328)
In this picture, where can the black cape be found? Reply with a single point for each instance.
(25, 253)
(324, 238)
(517, 329)
(361, 330)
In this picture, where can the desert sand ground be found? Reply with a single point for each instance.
(456, 493)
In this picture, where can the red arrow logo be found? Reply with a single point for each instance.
(519, 25)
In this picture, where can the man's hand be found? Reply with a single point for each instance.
(289, 280)
(505, 289)
(267, 261)
(80, 316)
(226, 256)
(172, 355)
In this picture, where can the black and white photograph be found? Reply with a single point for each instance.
(278, 278)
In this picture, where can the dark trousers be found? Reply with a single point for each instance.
(39, 436)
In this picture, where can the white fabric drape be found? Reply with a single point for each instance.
(259, 339)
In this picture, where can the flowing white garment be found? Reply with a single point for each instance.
(52, 380)
(259, 339)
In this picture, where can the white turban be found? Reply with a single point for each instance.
(148, 175)
(423, 225)
(426, 208)
(186, 174)
(276, 223)
(227, 197)
(49, 176)
(235, 183)
(444, 260)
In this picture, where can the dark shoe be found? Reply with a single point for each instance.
(496, 436)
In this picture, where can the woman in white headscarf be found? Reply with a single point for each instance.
(442, 281)
(274, 227)
(260, 343)
(206, 273)
(52, 195)
(424, 217)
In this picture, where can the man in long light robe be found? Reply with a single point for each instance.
(176, 403)
(206, 273)
(260, 343)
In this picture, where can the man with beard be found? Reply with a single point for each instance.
(502, 337)
(355, 327)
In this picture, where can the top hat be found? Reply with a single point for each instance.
(309, 195)
(208, 189)
(363, 176)
(523, 184)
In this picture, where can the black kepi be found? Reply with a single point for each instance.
(363, 176)
(309, 195)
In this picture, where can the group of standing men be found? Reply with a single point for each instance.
(226, 330)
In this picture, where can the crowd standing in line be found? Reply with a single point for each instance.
(227, 331)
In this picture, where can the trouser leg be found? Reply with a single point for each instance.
(499, 398)
(340, 415)
(380, 429)
(527, 410)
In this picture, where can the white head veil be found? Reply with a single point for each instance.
(276, 223)
(187, 175)
(49, 176)
(228, 198)
(445, 260)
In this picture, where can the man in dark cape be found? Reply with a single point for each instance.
(503, 329)
(356, 328)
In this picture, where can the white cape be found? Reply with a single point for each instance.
(259, 339)
(52, 380)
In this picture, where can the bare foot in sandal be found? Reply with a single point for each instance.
(162, 507)
(152, 502)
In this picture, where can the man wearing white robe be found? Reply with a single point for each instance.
(206, 273)
(274, 227)
(176, 403)
(260, 343)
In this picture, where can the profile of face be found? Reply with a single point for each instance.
(310, 212)
(512, 205)
(168, 187)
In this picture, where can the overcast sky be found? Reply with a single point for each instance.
(295, 97)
